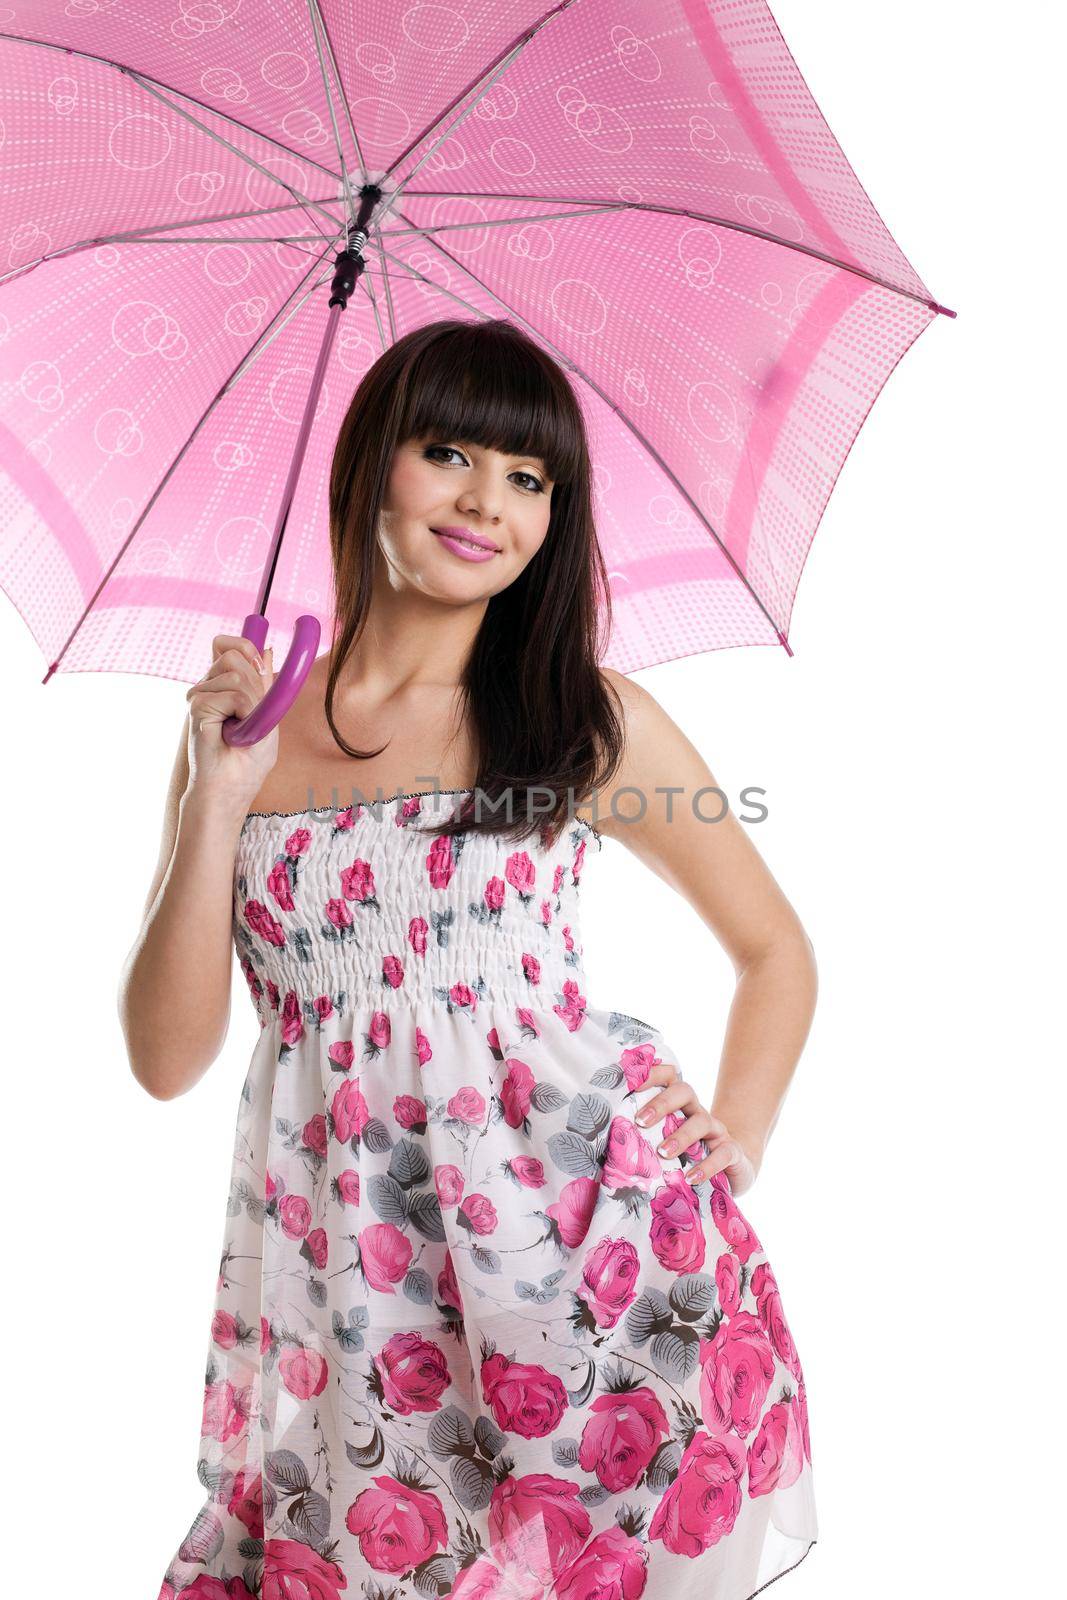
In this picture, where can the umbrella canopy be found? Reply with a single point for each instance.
(649, 190)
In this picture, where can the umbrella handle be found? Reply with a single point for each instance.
(287, 684)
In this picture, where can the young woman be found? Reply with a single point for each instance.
(489, 1321)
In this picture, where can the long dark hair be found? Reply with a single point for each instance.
(542, 715)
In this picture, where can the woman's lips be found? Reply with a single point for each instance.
(453, 540)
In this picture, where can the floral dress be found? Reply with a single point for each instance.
(472, 1335)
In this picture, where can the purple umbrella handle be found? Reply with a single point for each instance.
(287, 684)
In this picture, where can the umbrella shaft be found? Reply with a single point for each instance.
(350, 266)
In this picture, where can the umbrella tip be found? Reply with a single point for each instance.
(50, 671)
(944, 310)
(782, 640)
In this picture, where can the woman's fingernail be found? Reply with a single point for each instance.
(644, 1118)
(694, 1178)
(667, 1148)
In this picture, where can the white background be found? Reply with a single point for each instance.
(909, 752)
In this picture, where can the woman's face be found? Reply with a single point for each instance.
(501, 503)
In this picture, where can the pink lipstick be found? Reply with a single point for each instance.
(467, 545)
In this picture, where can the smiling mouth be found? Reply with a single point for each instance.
(468, 544)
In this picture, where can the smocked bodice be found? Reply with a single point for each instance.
(338, 909)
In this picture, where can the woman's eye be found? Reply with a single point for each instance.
(450, 450)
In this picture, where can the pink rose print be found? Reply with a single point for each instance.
(342, 1054)
(386, 1255)
(478, 1214)
(414, 1374)
(537, 1523)
(527, 1171)
(279, 887)
(338, 914)
(448, 1286)
(349, 1111)
(732, 1225)
(495, 891)
(528, 1022)
(440, 863)
(448, 1181)
(293, 1571)
(418, 928)
(344, 820)
(357, 883)
(525, 1399)
(292, 1021)
(609, 1280)
(492, 1039)
(303, 1372)
(676, 1234)
(295, 1214)
(393, 971)
(776, 1454)
(579, 861)
(260, 921)
(568, 937)
(298, 843)
(629, 1161)
(516, 1093)
(423, 1052)
(410, 1113)
(728, 1283)
(621, 1437)
(462, 997)
(531, 968)
(226, 1411)
(467, 1105)
(736, 1371)
(204, 1587)
(313, 1134)
(224, 1330)
(379, 1033)
(764, 1286)
(348, 1187)
(702, 1503)
(246, 1501)
(637, 1063)
(317, 1246)
(572, 1009)
(613, 1566)
(546, 913)
(521, 873)
(557, 878)
(802, 1413)
(397, 1526)
(573, 1211)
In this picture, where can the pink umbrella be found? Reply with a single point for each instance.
(192, 196)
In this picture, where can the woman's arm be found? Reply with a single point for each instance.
(174, 998)
(718, 870)
(174, 994)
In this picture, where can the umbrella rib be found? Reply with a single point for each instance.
(340, 86)
(388, 288)
(505, 222)
(503, 60)
(247, 360)
(608, 401)
(304, 200)
(316, 17)
(682, 211)
(139, 235)
(106, 61)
